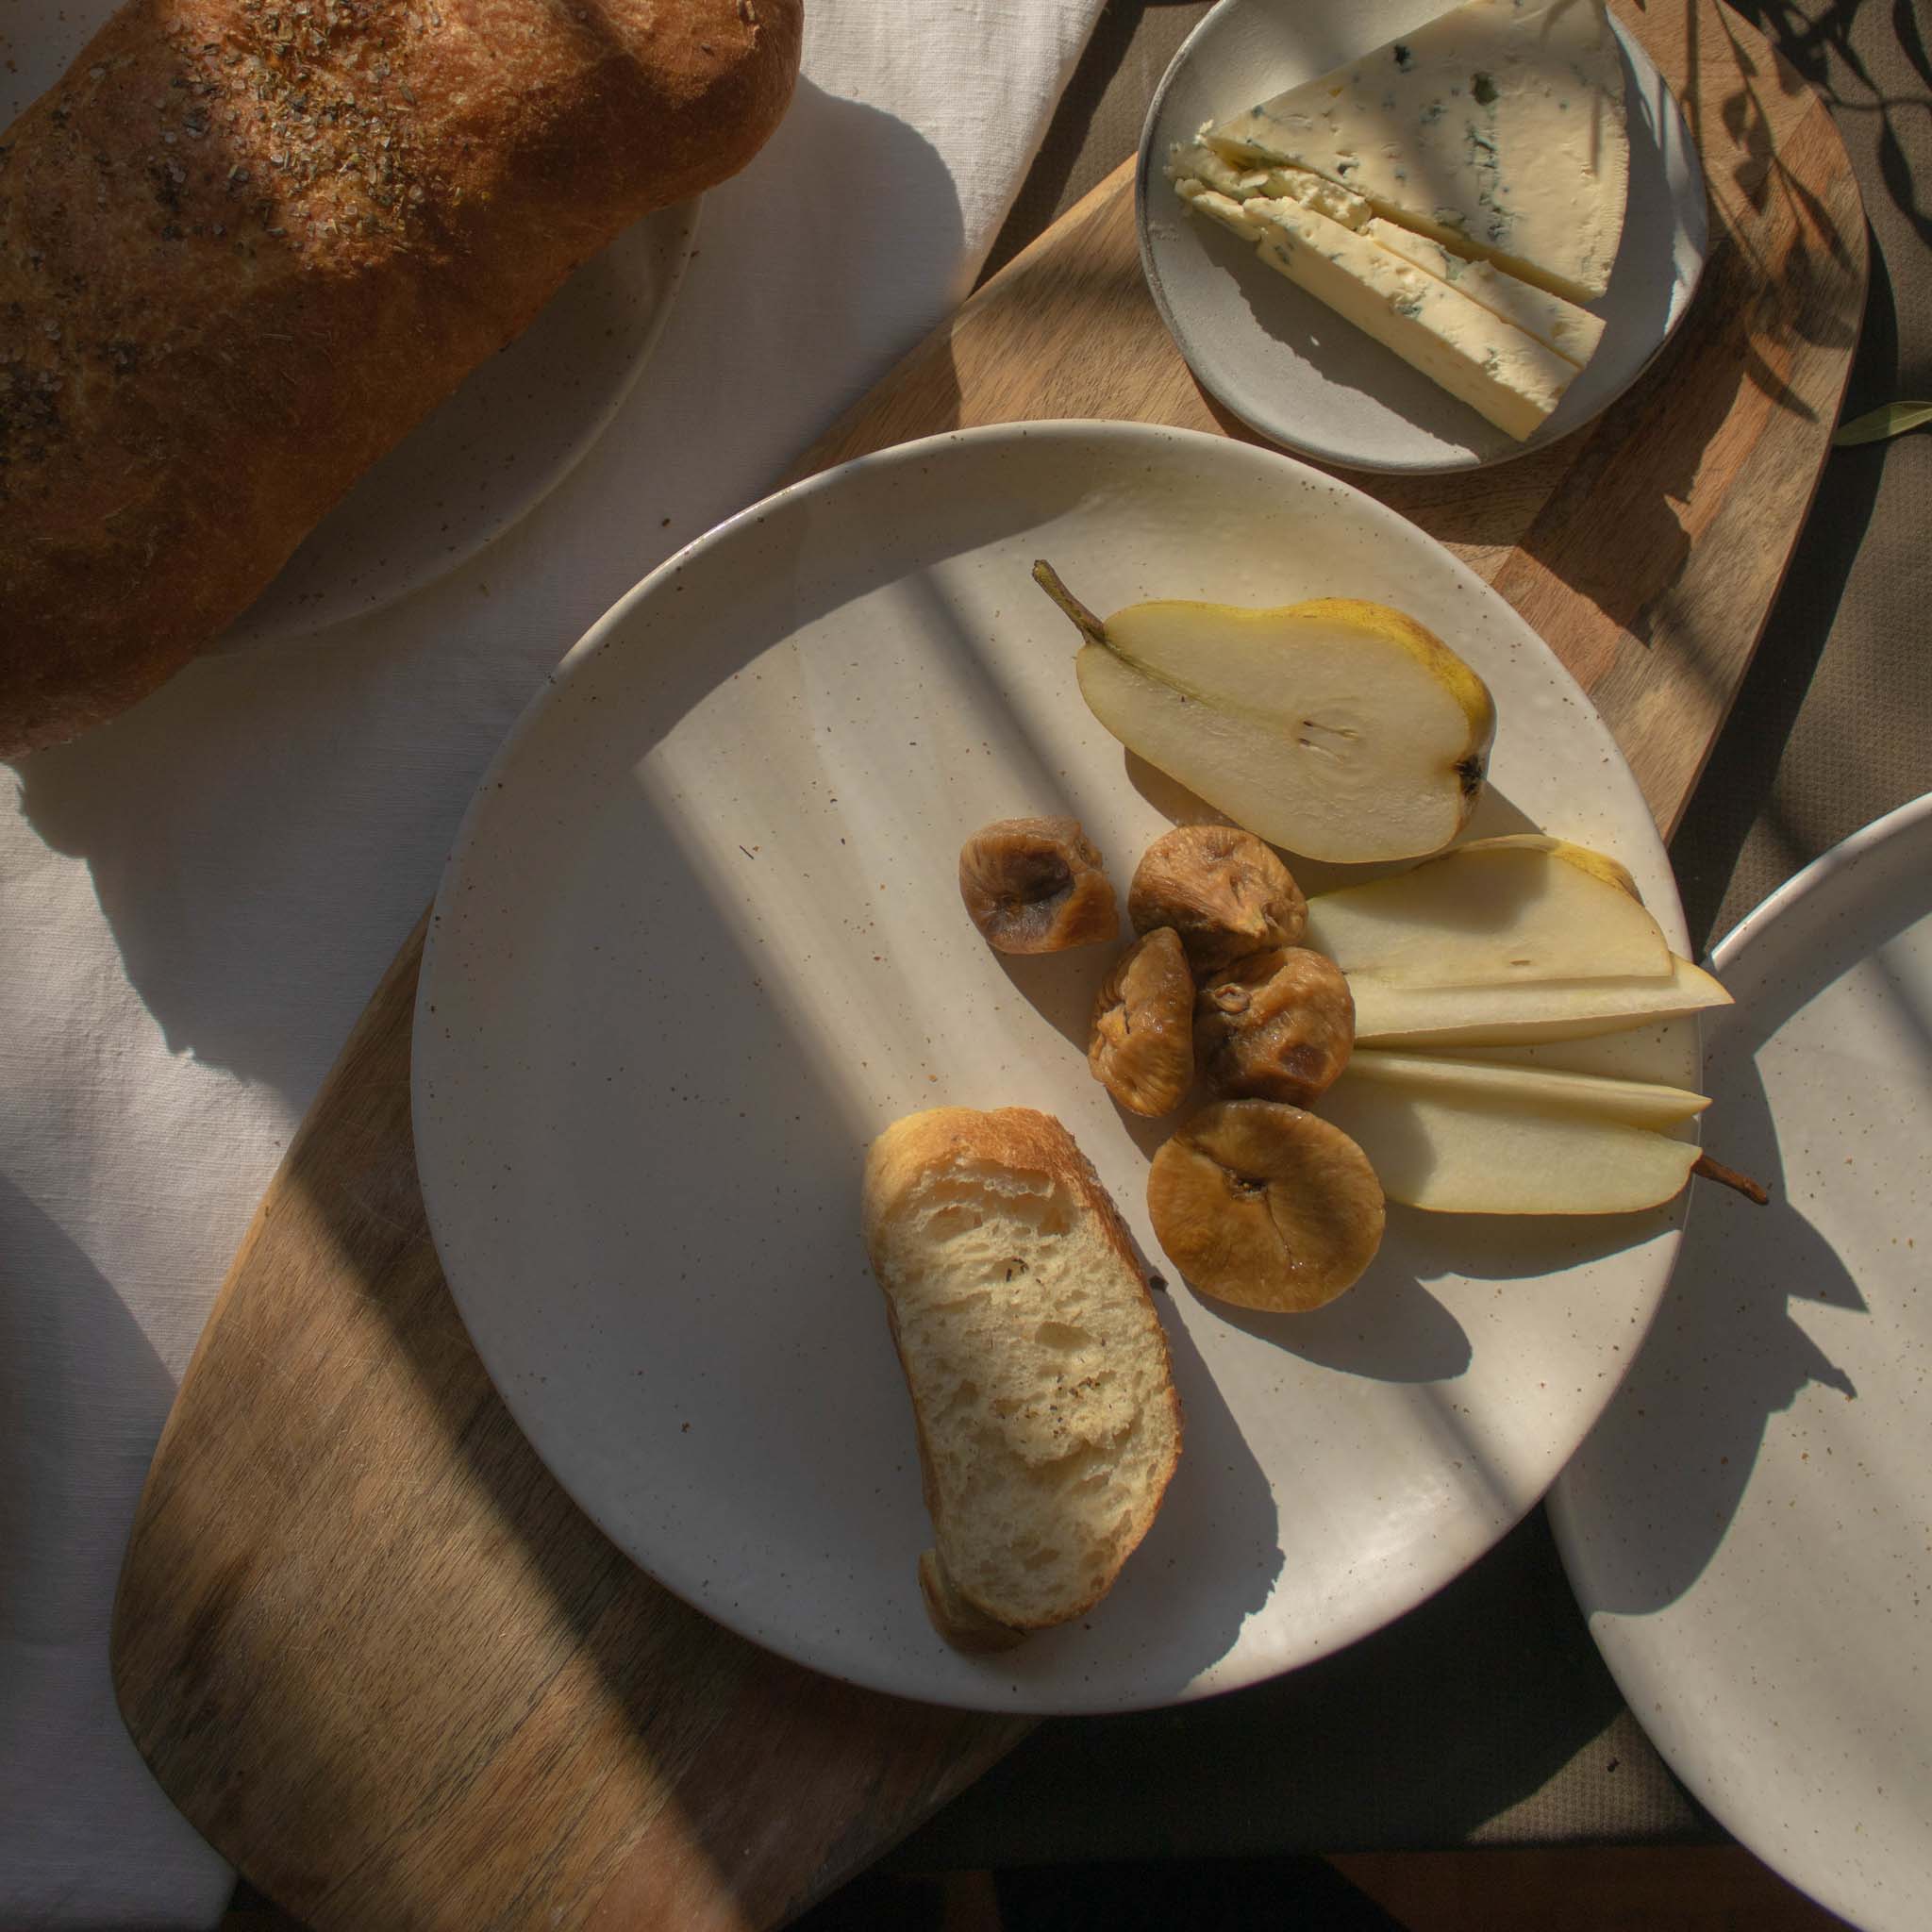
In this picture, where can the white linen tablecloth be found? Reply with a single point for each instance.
(197, 900)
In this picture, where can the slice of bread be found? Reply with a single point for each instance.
(1047, 1420)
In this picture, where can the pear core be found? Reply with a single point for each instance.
(1337, 728)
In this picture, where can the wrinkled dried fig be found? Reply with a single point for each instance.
(1036, 886)
(1221, 890)
(1265, 1205)
(1141, 1047)
(1276, 1026)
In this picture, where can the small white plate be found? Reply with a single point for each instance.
(482, 460)
(1293, 370)
(1747, 1529)
(700, 939)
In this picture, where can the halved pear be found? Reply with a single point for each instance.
(1494, 912)
(1457, 1151)
(1443, 1016)
(1339, 729)
(1635, 1102)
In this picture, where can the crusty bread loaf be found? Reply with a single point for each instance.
(247, 244)
(1047, 1421)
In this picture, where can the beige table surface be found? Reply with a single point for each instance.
(1485, 1716)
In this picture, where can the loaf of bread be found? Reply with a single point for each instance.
(1047, 1416)
(247, 244)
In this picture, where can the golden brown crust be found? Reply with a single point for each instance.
(245, 245)
(1012, 1136)
(1024, 1139)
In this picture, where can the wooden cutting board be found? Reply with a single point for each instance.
(366, 1643)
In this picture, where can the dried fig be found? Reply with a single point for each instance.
(1276, 1026)
(1221, 890)
(1036, 886)
(1141, 1047)
(1265, 1205)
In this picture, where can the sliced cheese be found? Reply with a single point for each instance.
(1498, 127)
(1307, 189)
(1573, 332)
(1220, 207)
(1194, 162)
(1505, 375)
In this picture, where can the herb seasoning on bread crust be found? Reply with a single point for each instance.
(247, 244)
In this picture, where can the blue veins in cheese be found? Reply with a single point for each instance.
(1505, 375)
(1497, 129)
(1573, 332)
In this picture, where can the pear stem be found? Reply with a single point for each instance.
(1084, 620)
(1729, 1177)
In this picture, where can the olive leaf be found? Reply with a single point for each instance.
(1894, 419)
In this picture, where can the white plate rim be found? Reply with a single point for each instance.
(1695, 208)
(607, 628)
(1816, 875)
(1639, 1676)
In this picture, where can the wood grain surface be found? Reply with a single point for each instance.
(368, 1645)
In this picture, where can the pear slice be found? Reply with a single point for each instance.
(1339, 729)
(1635, 1102)
(1665, 1054)
(1455, 1151)
(1443, 1016)
(1494, 912)
(1613, 871)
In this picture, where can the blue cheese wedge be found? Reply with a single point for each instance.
(1573, 332)
(1498, 129)
(1505, 375)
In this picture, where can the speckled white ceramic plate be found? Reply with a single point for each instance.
(485, 459)
(1747, 1529)
(1294, 371)
(701, 939)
